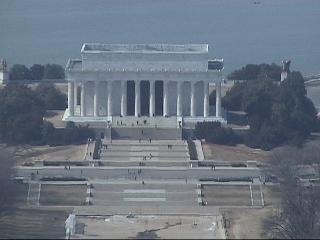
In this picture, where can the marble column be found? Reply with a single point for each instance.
(152, 99)
(123, 98)
(218, 99)
(96, 99)
(71, 97)
(137, 104)
(192, 100)
(75, 101)
(110, 108)
(83, 99)
(206, 99)
(165, 99)
(179, 99)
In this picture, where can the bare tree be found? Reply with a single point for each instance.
(299, 215)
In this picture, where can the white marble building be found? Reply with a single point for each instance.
(98, 83)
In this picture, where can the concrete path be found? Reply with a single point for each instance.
(159, 173)
(199, 150)
(34, 191)
(150, 210)
(256, 193)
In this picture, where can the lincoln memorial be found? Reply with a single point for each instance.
(164, 84)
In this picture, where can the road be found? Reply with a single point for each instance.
(160, 173)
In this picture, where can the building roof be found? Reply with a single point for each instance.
(144, 48)
(74, 64)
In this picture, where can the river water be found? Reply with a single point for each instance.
(51, 31)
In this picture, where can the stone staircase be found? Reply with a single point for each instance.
(146, 133)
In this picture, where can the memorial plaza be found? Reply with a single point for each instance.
(139, 178)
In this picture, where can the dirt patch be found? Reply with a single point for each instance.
(251, 223)
(19, 198)
(239, 152)
(33, 223)
(152, 227)
(226, 195)
(247, 223)
(271, 195)
(28, 153)
(63, 195)
(147, 235)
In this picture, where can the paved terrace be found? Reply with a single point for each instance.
(148, 194)
(161, 153)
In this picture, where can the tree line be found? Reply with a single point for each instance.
(36, 72)
(214, 132)
(22, 117)
(277, 112)
(256, 71)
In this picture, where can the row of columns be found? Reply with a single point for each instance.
(72, 95)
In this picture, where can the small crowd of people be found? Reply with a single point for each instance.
(145, 157)
(67, 167)
(134, 174)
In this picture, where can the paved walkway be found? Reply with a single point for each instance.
(256, 193)
(34, 190)
(152, 210)
(199, 150)
(89, 149)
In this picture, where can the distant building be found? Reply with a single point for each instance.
(4, 74)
